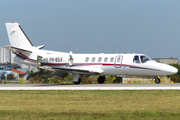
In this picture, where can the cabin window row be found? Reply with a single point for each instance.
(99, 59)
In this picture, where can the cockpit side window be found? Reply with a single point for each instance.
(136, 59)
(144, 58)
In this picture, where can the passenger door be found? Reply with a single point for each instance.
(118, 61)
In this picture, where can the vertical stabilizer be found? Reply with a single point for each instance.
(17, 36)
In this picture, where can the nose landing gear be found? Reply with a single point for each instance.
(157, 79)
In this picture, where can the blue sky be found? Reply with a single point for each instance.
(151, 27)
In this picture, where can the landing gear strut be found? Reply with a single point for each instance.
(157, 80)
(101, 79)
(76, 79)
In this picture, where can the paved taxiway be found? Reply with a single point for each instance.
(162, 86)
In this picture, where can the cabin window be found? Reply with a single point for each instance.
(105, 59)
(136, 59)
(87, 59)
(99, 60)
(93, 59)
(112, 59)
(118, 60)
(144, 58)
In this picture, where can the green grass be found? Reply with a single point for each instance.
(89, 105)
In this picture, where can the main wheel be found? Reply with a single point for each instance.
(78, 82)
(157, 80)
(101, 79)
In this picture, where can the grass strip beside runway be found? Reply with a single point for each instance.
(90, 104)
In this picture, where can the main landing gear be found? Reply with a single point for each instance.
(78, 82)
(101, 79)
(76, 79)
(157, 79)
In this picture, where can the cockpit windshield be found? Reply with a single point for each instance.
(136, 59)
(144, 58)
(141, 59)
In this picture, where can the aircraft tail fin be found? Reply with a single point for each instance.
(17, 36)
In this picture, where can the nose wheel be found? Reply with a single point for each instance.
(157, 80)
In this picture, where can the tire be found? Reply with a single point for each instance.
(78, 82)
(101, 79)
(157, 80)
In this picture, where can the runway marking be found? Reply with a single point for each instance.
(89, 88)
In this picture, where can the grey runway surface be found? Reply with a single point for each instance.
(162, 86)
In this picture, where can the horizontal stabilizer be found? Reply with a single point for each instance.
(16, 49)
(40, 47)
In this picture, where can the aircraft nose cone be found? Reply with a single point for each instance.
(168, 69)
(171, 70)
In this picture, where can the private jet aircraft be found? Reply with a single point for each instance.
(64, 63)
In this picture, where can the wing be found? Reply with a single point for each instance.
(61, 71)
(78, 70)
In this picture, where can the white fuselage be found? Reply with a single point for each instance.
(104, 64)
(62, 63)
